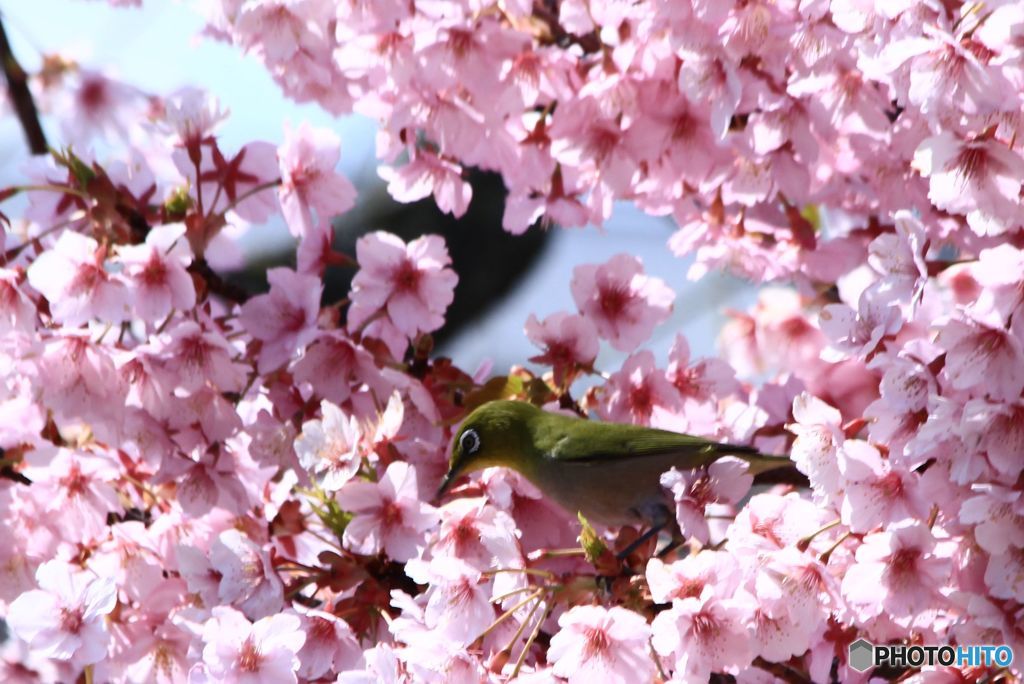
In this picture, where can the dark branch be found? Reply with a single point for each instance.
(21, 96)
(216, 284)
(782, 671)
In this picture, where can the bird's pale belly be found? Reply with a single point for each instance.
(609, 493)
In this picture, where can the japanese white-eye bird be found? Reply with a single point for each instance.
(608, 472)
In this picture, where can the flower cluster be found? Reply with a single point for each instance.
(201, 485)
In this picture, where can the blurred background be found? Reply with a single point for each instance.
(503, 279)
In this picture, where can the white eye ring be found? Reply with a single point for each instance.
(469, 442)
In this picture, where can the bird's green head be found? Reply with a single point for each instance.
(499, 433)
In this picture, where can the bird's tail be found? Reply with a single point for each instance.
(760, 463)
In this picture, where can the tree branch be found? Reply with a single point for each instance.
(216, 284)
(21, 96)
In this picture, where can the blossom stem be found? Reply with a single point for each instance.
(327, 541)
(15, 251)
(362, 326)
(246, 195)
(556, 553)
(657, 661)
(828, 553)
(508, 613)
(103, 334)
(510, 594)
(63, 189)
(529, 641)
(160, 328)
(804, 542)
(196, 163)
(522, 627)
(525, 571)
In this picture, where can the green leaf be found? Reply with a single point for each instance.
(179, 202)
(499, 387)
(592, 545)
(78, 168)
(332, 516)
(813, 216)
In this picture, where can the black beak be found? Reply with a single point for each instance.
(446, 483)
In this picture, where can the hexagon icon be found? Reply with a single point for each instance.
(861, 655)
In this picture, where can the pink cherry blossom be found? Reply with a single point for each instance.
(998, 430)
(818, 437)
(382, 665)
(239, 651)
(78, 484)
(458, 601)
(983, 357)
(336, 367)
(979, 178)
(16, 311)
(624, 304)
(478, 533)
(427, 174)
(72, 276)
(156, 273)
(699, 380)
(877, 493)
(900, 256)
(169, 442)
(330, 646)
(192, 356)
(312, 192)
(229, 181)
(773, 522)
(330, 447)
(388, 515)
(784, 616)
(601, 644)
(702, 634)
(640, 393)
(998, 514)
(411, 282)
(688, 577)
(247, 579)
(858, 332)
(191, 114)
(725, 481)
(899, 571)
(995, 270)
(99, 105)
(569, 341)
(66, 617)
(284, 320)
(79, 380)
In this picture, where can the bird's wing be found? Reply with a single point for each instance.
(587, 442)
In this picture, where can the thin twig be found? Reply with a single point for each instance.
(514, 592)
(21, 96)
(508, 613)
(525, 571)
(522, 627)
(530, 640)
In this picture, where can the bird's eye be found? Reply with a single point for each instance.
(469, 442)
